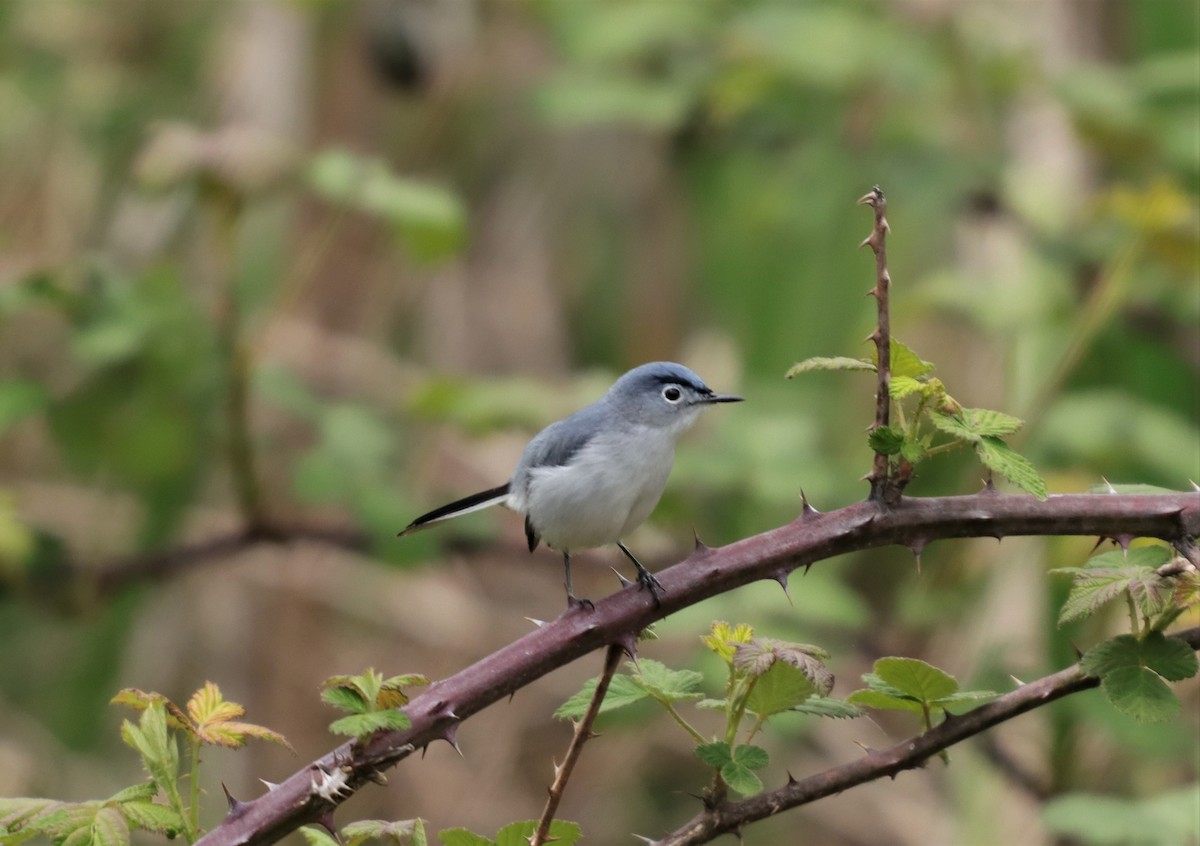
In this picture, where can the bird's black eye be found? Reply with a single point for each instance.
(671, 393)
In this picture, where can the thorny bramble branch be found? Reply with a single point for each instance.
(616, 619)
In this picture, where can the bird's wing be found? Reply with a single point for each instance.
(466, 505)
(559, 442)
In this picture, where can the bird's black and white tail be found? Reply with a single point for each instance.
(474, 502)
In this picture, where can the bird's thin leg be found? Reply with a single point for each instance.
(645, 577)
(572, 599)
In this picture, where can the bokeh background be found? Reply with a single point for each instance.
(309, 268)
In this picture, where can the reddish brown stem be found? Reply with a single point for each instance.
(883, 487)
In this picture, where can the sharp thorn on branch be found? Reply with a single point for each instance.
(1108, 486)
(621, 578)
(235, 805)
(536, 622)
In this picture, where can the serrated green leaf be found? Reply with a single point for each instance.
(150, 816)
(109, 828)
(810, 365)
(900, 387)
(1094, 586)
(886, 440)
(159, 751)
(913, 451)
(463, 837)
(824, 706)
(965, 697)
(1003, 459)
(749, 755)
(344, 699)
(146, 790)
(741, 779)
(780, 688)
(916, 678)
(725, 638)
(1140, 693)
(1170, 657)
(881, 701)
(665, 684)
(715, 754)
(905, 362)
(971, 424)
(398, 832)
(358, 725)
(622, 691)
(518, 833)
(23, 818)
(317, 836)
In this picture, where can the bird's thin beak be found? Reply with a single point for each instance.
(723, 398)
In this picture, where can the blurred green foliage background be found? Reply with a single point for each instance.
(277, 275)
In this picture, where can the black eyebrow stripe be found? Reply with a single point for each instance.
(665, 379)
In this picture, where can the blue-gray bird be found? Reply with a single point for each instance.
(591, 478)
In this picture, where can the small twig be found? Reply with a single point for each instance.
(883, 488)
(583, 731)
(732, 816)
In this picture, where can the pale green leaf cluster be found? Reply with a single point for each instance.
(922, 408)
(372, 701)
(765, 678)
(1154, 601)
(158, 805)
(514, 834)
(909, 684)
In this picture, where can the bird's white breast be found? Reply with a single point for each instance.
(607, 489)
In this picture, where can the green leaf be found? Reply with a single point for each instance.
(900, 387)
(1168, 656)
(824, 706)
(971, 424)
(1140, 693)
(622, 691)
(150, 816)
(159, 751)
(905, 362)
(780, 688)
(749, 755)
(810, 365)
(344, 699)
(725, 638)
(883, 701)
(1094, 586)
(398, 832)
(665, 684)
(715, 754)
(916, 678)
(518, 833)
(1131, 673)
(358, 725)
(109, 828)
(886, 440)
(317, 836)
(463, 837)
(742, 779)
(998, 456)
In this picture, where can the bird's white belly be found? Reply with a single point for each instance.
(603, 494)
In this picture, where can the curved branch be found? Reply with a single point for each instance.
(877, 764)
(616, 619)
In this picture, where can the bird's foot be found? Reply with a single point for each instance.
(647, 580)
(574, 603)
